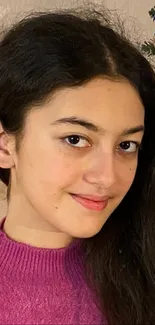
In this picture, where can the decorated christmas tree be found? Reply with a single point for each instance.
(149, 47)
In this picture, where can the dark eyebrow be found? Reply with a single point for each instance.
(136, 129)
(92, 127)
(77, 121)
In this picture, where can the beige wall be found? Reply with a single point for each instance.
(138, 10)
(133, 11)
(127, 8)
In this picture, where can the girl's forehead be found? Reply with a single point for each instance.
(102, 104)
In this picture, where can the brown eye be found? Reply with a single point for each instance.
(77, 141)
(129, 146)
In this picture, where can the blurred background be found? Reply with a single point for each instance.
(135, 14)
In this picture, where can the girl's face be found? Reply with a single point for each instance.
(83, 142)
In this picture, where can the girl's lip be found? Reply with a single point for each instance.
(90, 203)
(95, 198)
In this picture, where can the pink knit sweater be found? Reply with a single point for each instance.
(44, 286)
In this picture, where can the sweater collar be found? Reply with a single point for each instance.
(39, 265)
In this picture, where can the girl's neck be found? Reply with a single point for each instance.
(39, 265)
(35, 232)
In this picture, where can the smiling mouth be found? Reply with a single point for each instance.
(91, 204)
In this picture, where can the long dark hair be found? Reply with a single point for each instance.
(45, 52)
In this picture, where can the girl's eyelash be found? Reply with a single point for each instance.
(129, 150)
(80, 137)
(75, 135)
(138, 144)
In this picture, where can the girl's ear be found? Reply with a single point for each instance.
(6, 152)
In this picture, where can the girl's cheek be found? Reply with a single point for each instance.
(127, 176)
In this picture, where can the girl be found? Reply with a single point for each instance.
(77, 144)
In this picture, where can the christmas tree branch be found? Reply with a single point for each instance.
(149, 47)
